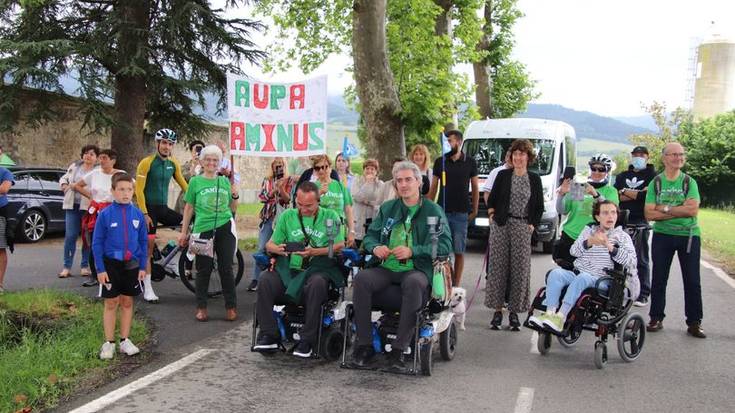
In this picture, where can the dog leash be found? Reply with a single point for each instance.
(477, 285)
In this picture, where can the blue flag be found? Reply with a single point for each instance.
(446, 147)
(349, 150)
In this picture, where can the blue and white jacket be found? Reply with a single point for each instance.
(115, 224)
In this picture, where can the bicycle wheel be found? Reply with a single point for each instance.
(188, 276)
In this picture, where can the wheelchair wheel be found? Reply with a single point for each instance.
(543, 343)
(571, 339)
(448, 342)
(425, 356)
(631, 337)
(215, 282)
(331, 346)
(600, 354)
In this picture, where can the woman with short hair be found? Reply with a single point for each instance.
(334, 195)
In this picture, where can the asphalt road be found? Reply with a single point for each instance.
(496, 371)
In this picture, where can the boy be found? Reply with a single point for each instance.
(120, 247)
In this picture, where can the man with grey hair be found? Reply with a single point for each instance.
(399, 240)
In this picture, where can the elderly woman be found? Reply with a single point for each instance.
(515, 209)
(578, 206)
(366, 197)
(334, 195)
(275, 194)
(419, 155)
(74, 207)
(213, 200)
(342, 166)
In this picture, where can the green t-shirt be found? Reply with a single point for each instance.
(288, 229)
(580, 212)
(672, 194)
(336, 197)
(208, 206)
(400, 235)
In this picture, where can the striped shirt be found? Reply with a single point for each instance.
(596, 259)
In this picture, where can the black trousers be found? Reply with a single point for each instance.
(271, 288)
(224, 249)
(374, 280)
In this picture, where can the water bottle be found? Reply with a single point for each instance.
(377, 346)
(426, 331)
(281, 326)
(437, 285)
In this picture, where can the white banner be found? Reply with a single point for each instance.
(277, 119)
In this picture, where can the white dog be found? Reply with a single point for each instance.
(458, 306)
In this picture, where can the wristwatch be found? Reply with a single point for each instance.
(667, 209)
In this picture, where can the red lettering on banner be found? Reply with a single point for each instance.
(260, 102)
(268, 129)
(237, 136)
(304, 143)
(297, 96)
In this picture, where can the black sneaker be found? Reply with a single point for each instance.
(91, 282)
(266, 342)
(397, 361)
(496, 321)
(253, 285)
(362, 356)
(515, 324)
(302, 349)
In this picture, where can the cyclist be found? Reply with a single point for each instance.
(151, 190)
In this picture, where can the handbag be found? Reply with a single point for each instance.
(205, 246)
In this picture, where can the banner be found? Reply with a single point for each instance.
(277, 119)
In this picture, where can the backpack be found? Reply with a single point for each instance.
(657, 186)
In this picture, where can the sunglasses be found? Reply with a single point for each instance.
(598, 169)
(320, 168)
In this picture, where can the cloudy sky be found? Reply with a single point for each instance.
(602, 56)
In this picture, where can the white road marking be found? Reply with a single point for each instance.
(115, 395)
(534, 340)
(524, 402)
(719, 273)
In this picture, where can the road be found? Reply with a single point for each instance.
(495, 371)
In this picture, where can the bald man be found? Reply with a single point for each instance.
(672, 202)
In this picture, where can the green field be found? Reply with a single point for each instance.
(588, 147)
(718, 227)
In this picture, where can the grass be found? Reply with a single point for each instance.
(248, 244)
(48, 345)
(249, 210)
(718, 227)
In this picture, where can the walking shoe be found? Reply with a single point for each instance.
(397, 361)
(253, 285)
(515, 324)
(91, 282)
(695, 330)
(641, 302)
(302, 349)
(362, 356)
(65, 273)
(496, 321)
(85, 272)
(538, 321)
(127, 347)
(654, 326)
(107, 352)
(266, 342)
(555, 322)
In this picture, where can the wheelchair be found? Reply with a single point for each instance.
(434, 321)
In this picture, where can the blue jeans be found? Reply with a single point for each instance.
(560, 278)
(663, 248)
(266, 231)
(73, 224)
(458, 225)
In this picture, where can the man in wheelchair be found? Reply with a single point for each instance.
(400, 243)
(303, 270)
(595, 250)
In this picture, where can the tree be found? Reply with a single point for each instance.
(668, 126)
(502, 86)
(153, 59)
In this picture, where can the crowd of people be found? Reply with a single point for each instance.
(386, 220)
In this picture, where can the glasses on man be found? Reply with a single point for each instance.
(598, 169)
(321, 167)
(676, 154)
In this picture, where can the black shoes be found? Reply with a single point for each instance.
(515, 324)
(363, 356)
(397, 361)
(266, 342)
(496, 321)
(91, 282)
(654, 326)
(695, 330)
(253, 285)
(302, 349)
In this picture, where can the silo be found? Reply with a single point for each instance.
(714, 87)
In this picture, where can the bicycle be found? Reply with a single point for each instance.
(164, 263)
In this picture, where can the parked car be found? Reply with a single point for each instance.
(36, 202)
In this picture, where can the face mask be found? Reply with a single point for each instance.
(638, 162)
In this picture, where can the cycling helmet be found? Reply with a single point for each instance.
(602, 159)
(166, 134)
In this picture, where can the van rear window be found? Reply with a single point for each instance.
(489, 154)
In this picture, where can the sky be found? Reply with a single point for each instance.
(606, 57)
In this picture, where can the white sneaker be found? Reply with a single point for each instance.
(107, 352)
(127, 347)
(148, 293)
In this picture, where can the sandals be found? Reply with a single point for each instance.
(65, 273)
(85, 272)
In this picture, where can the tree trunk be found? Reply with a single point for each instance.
(443, 23)
(483, 83)
(130, 89)
(376, 90)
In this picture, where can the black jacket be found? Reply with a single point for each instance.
(638, 180)
(500, 198)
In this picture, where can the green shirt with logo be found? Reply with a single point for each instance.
(401, 235)
(288, 229)
(336, 197)
(580, 212)
(211, 200)
(672, 194)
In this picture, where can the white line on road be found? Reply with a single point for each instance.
(719, 273)
(115, 395)
(524, 402)
(534, 340)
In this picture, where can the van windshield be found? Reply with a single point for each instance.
(489, 153)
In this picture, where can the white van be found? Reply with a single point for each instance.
(555, 143)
